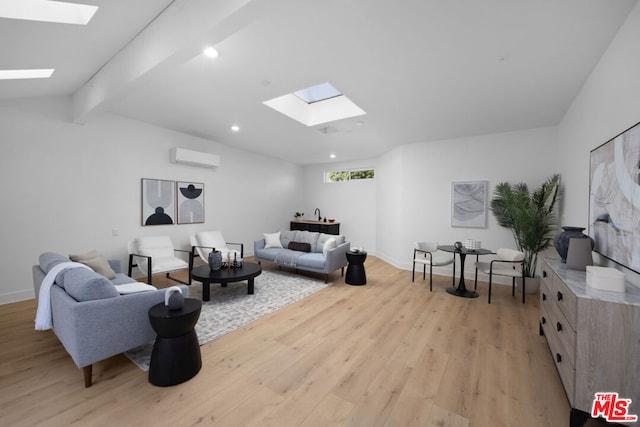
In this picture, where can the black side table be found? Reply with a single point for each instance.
(176, 352)
(356, 274)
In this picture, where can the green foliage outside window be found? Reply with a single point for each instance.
(340, 176)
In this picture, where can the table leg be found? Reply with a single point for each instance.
(461, 290)
(206, 291)
(250, 286)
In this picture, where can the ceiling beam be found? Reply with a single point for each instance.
(177, 35)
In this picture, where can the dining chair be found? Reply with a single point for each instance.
(510, 263)
(426, 253)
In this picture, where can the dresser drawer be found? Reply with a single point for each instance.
(561, 357)
(560, 293)
(555, 323)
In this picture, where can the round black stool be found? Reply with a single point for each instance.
(355, 270)
(176, 352)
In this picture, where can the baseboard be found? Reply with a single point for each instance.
(11, 297)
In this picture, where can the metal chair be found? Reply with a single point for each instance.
(424, 253)
(156, 254)
(510, 263)
(213, 240)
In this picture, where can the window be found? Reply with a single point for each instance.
(348, 175)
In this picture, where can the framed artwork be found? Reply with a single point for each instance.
(469, 204)
(158, 202)
(614, 198)
(190, 202)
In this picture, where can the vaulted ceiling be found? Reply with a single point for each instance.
(422, 70)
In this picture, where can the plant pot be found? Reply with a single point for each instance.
(532, 284)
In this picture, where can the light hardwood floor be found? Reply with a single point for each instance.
(390, 353)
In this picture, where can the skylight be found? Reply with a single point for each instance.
(47, 11)
(26, 74)
(317, 93)
(315, 105)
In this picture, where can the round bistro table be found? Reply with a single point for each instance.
(461, 290)
(176, 352)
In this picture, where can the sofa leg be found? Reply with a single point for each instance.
(87, 370)
(326, 278)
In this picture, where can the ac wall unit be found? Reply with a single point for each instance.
(194, 158)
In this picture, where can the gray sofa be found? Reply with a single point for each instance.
(90, 318)
(323, 256)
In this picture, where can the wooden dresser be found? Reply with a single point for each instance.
(593, 336)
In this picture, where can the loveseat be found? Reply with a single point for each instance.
(304, 250)
(92, 318)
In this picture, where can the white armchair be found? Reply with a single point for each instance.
(204, 241)
(156, 254)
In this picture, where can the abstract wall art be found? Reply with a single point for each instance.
(158, 202)
(614, 198)
(190, 202)
(469, 204)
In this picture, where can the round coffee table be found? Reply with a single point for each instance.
(176, 352)
(204, 274)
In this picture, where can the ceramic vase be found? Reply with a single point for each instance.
(561, 241)
(215, 260)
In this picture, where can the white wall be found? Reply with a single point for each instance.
(65, 187)
(415, 189)
(608, 103)
(352, 203)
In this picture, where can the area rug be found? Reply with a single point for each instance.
(231, 308)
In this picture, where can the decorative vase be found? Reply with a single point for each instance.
(173, 298)
(215, 260)
(561, 241)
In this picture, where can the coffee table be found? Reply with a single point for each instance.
(204, 274)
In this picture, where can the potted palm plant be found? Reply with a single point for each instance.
(531, 217)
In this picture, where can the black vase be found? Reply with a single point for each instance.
(561, 241)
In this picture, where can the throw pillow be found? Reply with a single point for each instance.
(272, 240)
(329, 244)
(300, 246)
(96, 262)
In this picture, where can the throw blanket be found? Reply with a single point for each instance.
(288, 258)
(43, 313)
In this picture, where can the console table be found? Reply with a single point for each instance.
(593, 336)
(315, 226)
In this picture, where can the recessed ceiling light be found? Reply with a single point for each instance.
(210, 52)
(26, 74)
(333, 156)
(47, 11)
(235, 128)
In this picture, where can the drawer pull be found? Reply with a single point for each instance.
(544, 296)
(559, 326)
(560, 296)
(544, 273)
(558, 358)
(544, 321)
